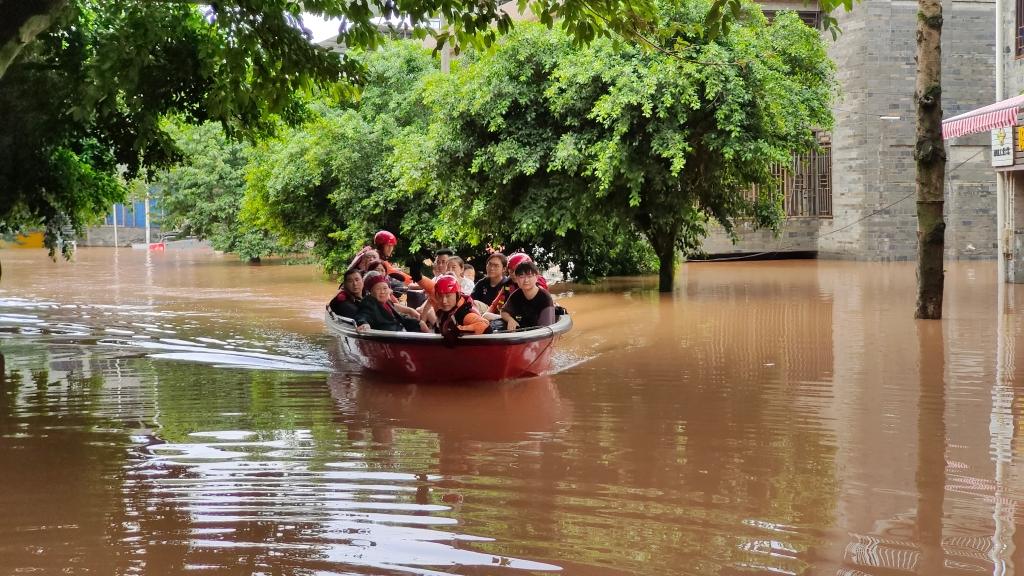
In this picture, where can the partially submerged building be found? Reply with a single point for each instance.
(855, 198)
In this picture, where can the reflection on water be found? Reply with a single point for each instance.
(767, 418)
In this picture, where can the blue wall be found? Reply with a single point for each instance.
(134, 215)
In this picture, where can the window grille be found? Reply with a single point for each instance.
(806, 184)
(1019, 43)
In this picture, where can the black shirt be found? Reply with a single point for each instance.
(484, 292)
(344, 304)
(528, 312)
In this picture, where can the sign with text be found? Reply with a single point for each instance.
(1002, 147)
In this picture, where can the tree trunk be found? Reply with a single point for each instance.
(930, 154)
(21, 23)
(665, 248)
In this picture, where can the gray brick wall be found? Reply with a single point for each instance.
(798, 235)
(873, 158)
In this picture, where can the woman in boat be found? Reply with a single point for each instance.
(346, 301)
(363, 258)
(457, 268)
(487, 289)
(530, 305)
(378, 312)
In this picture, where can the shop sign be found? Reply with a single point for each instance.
(1002, 147)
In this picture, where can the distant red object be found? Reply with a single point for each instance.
(158, 246)
(410, 356)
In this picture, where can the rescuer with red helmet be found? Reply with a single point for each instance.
(385, 243)
(455, 312)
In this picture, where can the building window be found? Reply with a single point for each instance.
(806, 182)
(1019, 30)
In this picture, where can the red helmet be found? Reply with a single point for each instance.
(384, 238)
(446, 285)
(515, 260)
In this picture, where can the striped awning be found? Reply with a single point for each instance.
(998, 115)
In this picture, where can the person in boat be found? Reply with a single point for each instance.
(385, 243)
(513, 262)
(363, 258)
(530, 305)
(487, 289)
(456, 314)
(457, 268)
(398, 288)
(470, 273)
(350, 293)
(377, 311)
(439, 265)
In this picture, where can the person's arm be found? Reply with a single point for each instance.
(403, 309)
(474, 324)
(391, 270)
(510, 322)
(546, 317)
(362, 317)
(507, 314)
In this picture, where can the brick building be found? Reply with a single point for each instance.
(869, 192)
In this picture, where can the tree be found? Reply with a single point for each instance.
(930, 154)
(540, 136)
(121, 67)
(202, 196)
(335, 179)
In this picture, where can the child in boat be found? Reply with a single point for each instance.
(378, 312)
(530, 305)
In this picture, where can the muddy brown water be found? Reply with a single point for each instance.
(183, 413)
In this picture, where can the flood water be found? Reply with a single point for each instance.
(181, 412)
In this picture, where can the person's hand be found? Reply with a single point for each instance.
(411, 312)
(362, 328)
(424, 327)
(511, 324)
(450, 332)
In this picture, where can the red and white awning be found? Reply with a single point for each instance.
(998, 115)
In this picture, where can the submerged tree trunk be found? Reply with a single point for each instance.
(930, 154)
(665, 248)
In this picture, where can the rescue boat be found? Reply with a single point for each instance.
(413, 356)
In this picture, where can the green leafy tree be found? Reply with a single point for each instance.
(120, 67)
(540, 136)
(347, 173)
(203, 195)
(335, 179)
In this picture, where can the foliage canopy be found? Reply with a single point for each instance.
(538, 135)
(120, 67)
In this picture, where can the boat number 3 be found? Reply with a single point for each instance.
(408, 361)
